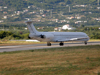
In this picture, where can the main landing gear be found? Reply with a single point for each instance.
(49, 44)
(61, 43)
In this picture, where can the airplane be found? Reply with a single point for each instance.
(55, 36)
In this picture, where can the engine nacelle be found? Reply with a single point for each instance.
(47, 36)
(42, 36)
(29, 37)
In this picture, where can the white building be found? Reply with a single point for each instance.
(67, 26)
(5, 7)
(58, 29)
(5, 17)
(26, 28)
(29, 6)
(1, 21)
(98, 7)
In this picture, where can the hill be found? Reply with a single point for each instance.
(48, 4)
(48, 14)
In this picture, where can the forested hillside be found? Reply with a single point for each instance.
(19, 4)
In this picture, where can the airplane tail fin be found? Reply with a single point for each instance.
(31, 26)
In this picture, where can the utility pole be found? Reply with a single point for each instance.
(51, 13)
(98, 2)
(3, 27)
(69, 8)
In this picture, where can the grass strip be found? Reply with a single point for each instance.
(80, 60)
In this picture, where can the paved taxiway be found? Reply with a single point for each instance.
(41, 46)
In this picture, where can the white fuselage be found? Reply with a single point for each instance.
(60, 36)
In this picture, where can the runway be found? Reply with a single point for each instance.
(41, 46)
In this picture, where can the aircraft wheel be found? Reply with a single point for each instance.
(49, 44)
(85, 42)
(61, 44)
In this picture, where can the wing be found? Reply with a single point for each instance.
(72, 39)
